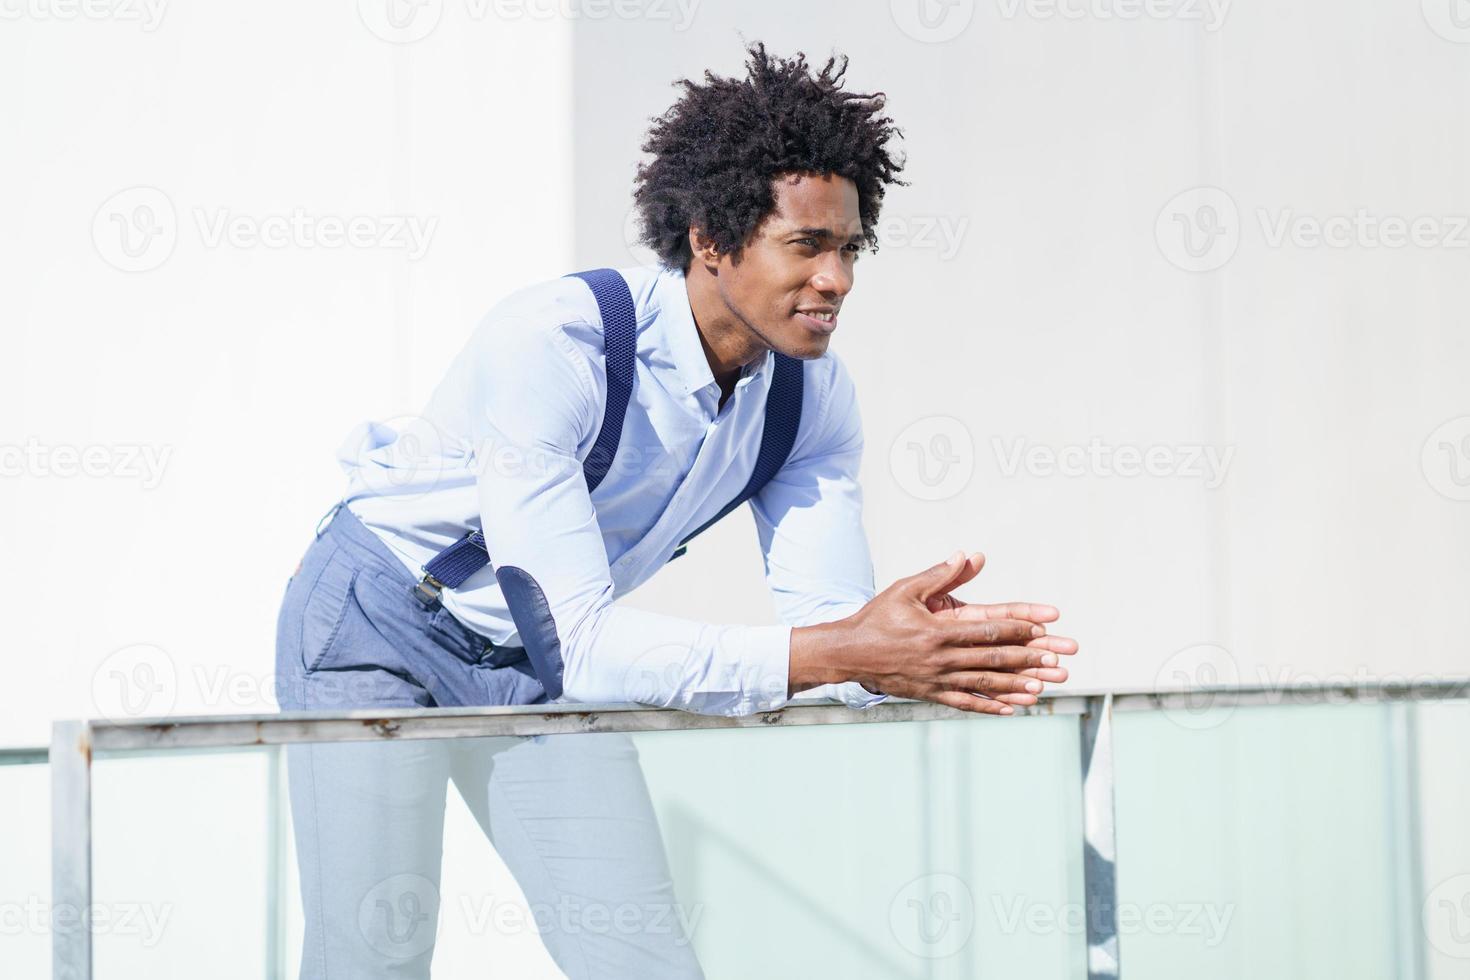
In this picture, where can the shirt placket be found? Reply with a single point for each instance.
(712, 451)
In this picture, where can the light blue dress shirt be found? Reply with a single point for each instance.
(500, 446)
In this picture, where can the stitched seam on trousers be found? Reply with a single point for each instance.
(337, 626)
(367, 556)
(305, 598)
(321, 922)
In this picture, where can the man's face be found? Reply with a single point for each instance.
(798, 265)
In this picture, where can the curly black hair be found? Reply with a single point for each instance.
(717, 150)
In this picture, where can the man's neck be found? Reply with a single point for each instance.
(728, 344)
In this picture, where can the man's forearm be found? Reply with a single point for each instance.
(819, 655)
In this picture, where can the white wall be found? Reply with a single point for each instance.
(1022, 291)
(241, 366)
(1035, 291)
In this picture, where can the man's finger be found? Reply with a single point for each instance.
(1064, 645)
(990, 632)
(972, 702)
(1035, 612)
(947, 575)
(1007, 657)
(1020, 699)
(949, 607)
(994, 683)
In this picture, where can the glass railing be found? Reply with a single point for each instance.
(1225, 833)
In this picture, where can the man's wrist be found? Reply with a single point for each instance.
(819, 656)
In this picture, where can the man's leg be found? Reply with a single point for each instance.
(368, 817)
(571, 817)
(369, 826)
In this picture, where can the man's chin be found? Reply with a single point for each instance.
(802, 342)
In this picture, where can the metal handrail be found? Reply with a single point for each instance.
(23, 755)
(74, 744)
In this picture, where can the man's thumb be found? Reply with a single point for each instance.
(938, 578)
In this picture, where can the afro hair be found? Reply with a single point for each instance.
(717, 150)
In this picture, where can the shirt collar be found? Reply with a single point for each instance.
(676, 318)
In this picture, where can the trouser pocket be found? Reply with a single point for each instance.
(325, 608)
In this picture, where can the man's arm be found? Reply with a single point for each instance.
(534, 407)
(809, 521)
(913, 640)
(536, 401)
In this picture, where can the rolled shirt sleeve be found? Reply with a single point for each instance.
(538, 408)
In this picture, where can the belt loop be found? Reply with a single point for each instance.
(326, 521)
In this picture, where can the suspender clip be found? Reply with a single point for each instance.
(427, 590)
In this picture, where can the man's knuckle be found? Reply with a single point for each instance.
(930, 637)
(935, 661)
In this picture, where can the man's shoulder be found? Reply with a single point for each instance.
(829, 376)
(830, 417)
(565, 306)
(571, 296)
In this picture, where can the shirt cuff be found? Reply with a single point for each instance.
(766, 665)
(854, 695)
(851, 693)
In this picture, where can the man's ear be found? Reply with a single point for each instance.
(704, 249)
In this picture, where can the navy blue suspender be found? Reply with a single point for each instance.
(456, 563)
(783, 418)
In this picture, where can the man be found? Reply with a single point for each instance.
(590, 427)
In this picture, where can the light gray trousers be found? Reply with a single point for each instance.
(569, 814)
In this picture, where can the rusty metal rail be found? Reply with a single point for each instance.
(74, 744)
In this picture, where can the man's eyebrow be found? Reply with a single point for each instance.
(824, 233)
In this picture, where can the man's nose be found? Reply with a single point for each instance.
(834, 276)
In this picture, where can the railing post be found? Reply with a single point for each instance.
(1404, 821)
(276, 871)
(1099, 840)
(71, 850)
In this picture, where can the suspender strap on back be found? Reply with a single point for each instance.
(450, 568)
(620, 341)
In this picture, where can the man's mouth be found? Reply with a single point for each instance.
(819, 319)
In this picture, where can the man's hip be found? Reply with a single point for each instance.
(351, 634)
